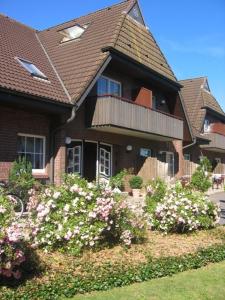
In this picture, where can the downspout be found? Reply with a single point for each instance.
(190, 145)
(52, 141)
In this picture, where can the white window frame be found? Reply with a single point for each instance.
(65, 34)
(108, 85)
(207, 126)
(79, 156)
(39, 74)
(110, 160)
(37, 171)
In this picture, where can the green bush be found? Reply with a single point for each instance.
(21, 179)
(136, 182)
(108, 276)
(200, 181)
(117, 181)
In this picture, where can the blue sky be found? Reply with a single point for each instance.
(191, 33)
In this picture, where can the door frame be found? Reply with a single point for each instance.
(98, 145)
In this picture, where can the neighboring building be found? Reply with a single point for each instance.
(207, 120)
(93, 95)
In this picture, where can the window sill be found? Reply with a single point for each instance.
(40, 175)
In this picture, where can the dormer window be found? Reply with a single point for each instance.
(72, 33)
(206, 126)
(206, 86)
(31, 68)
(135, 13)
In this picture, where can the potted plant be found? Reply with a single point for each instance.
(136, 184)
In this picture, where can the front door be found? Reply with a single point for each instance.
(105, 161)
(90, 159)
(74, 158)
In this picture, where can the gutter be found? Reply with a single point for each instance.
(190, 145)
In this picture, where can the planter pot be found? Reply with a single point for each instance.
(136, 193)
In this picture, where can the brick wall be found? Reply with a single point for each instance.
(12, 122)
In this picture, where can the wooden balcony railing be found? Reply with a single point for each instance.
(122, 113)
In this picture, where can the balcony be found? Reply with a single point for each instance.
(117, 115)
(216, 144)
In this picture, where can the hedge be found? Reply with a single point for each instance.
(113, 275)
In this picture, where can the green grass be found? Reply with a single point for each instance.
(205, 283)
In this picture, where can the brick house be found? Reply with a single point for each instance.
(207, 120)
(93, 95)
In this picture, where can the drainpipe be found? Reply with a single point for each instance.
(52, 141)
(190, 145)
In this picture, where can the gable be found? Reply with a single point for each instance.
(135, 41)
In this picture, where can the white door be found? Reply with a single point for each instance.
(105, 169)
(74, 160)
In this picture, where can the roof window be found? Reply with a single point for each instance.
(72, 33)
(31, 68)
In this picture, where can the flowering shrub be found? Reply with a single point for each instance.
(79, 214)
(11, 240)
(183, 210)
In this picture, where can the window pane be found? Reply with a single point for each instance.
(30, 144)
(31, 158)
(38, 164)
(102, 86)
(38, 145)
(114, 88)
(21, 144)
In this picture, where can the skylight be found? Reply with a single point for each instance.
(72, 33)
(31, 68)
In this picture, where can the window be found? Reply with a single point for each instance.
(105, 162)
(74, 160)
(187, 156)
(135, 13)
(144, 152)
(107, 86)
(33, 149)
(72, 33)
(206, 86)
(206, 126)
(31, 68)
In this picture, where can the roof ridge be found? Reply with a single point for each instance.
(91, 13)
(18, 22)
(193, 78)
(123, 17)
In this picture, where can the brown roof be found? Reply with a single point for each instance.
(78, 61)
(196, 100)
(137, 42)
(75, 62)
(18, 40)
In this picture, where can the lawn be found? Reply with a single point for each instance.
(205, 283)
